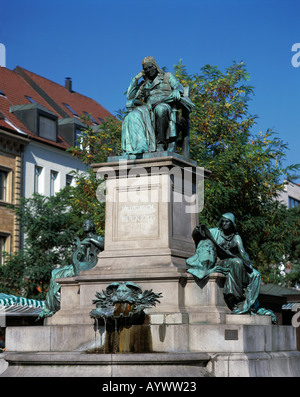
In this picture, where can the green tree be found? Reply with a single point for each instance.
(247, 171)
(94, 146)
(282, 245)
(96, 143)
(50, 225)
(49, 228)
(83, 200)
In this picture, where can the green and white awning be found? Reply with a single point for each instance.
(291, 306)
(16, 305)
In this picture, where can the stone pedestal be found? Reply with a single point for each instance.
(152, 206)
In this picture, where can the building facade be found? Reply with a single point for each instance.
(12, 149)
(39, 120)
(291, 195)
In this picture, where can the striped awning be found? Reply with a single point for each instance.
(15, 305)
(290, 305)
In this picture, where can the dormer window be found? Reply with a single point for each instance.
(39, 120)
(79, 138)
(70, 130)
(47, 128)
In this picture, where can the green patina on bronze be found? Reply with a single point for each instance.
(152, 103)
(123, 299)
(221, 250)
(84, 258)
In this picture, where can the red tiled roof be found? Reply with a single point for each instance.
(15, 85)
(78, 102)
(15, 89)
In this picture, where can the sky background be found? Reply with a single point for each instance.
(100, 44)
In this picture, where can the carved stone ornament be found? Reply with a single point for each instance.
(124, 299)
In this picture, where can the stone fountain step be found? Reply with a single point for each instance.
(73, 364)
(163, 337)
(194, 350)
(150, 365)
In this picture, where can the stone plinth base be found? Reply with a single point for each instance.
(192, 350)
(257, 364)
(236, 345)
(107, 365)
(165, 335)
(184, 299)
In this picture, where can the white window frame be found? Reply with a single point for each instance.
(4, 246)
(293, 202)
(7, 194)
(38, 179)
(70, 181)
(54, 179)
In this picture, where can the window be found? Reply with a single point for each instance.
(30, 99)
(38, 179)
(4, 247)
(47, 128)
(5, 185)
(293, 202)
(78, 138)
(70, 109)
(79, 135)
(39, 120)
(91, 118)
(69, 180)
(53, 182)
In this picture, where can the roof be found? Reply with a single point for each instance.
(78, 102)
(19, 86)
(15, 305)
(277, 290)
(14, 89)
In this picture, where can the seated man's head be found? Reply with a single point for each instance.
(150, 68)
(150, 71)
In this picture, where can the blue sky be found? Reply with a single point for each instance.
(101, 43)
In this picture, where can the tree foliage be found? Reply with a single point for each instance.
(247, 168)
(83, 200)
(49, 229)
(97, 142)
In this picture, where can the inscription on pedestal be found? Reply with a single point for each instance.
(136, 221)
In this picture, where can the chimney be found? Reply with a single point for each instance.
(68, 84)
